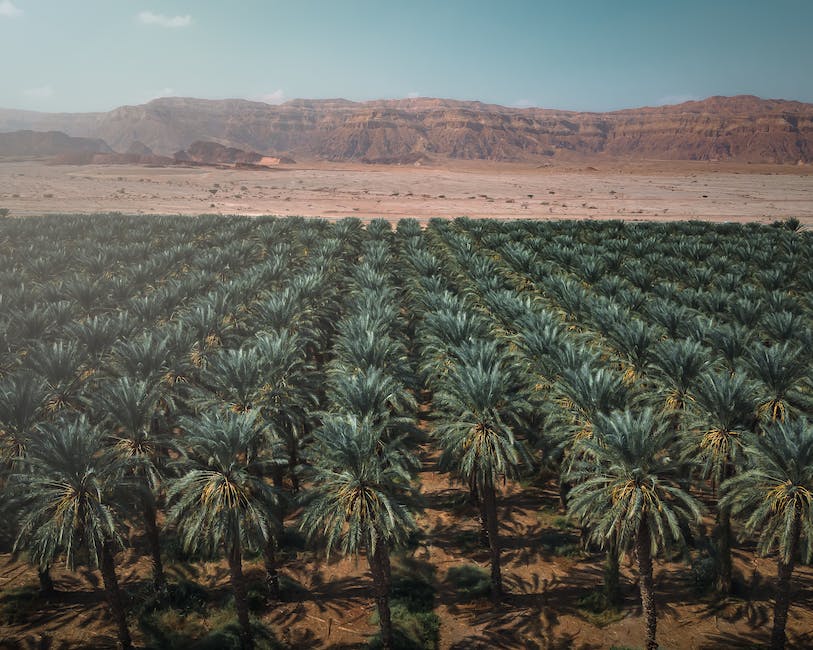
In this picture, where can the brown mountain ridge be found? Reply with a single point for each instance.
(742, 128)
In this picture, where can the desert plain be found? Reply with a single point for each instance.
(647, 190)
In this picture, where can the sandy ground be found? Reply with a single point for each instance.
(656, 190)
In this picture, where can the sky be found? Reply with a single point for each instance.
(595, 55)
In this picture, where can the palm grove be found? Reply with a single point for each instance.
(210, 383)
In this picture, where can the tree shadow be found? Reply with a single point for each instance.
(48, 642)
(735, 640)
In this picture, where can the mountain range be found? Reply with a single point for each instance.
(742, 128)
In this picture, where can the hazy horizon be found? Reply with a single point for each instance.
(585, 55)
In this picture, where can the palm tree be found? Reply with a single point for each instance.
(481, 401)
(59, 363)
(23, 400)
(724, 410)
(783, 373)
(678, 364)
(773, 498)
(360, 499)
(731, 342)
(373, 395)
(64, 490)
(231, 378)
(221, 500)
(446, 328)
(289, 391)
(128, 407)
(629, 495)
(633, 339)
(145, 357)
(587, 392)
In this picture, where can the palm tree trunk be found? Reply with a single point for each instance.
(490, 499)
(293, 463)
(782, 603)
(46, 582)
(382, 581)
(564, 490)
(723, 551)
(477, 502)
(238, 585)
(644, 551)
(277, 477)
(483, 517)
(612, 575)
(158, 579)
(114, 599)
(271, 574)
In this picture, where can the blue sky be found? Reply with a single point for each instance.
(83, 55)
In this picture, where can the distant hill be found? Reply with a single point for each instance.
(48, 143)
(742, 128)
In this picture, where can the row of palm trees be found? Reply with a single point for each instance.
(721, 404)
(360, 497)
(591, 392)
(137, 395)
(479, 395)
(294, 378)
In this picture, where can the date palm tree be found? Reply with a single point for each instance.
(59, 363)
(360, 499)
(678, 363)
(783, 374)
(289, 391)
(724, 410)
(128, 409)
(66, 493)
(221, 501)
(481, 401)
(373, 395)
(628, 494)
(23, 401)
(773, 498)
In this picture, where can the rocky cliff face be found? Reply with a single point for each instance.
(744, 128)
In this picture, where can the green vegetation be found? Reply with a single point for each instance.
(470, 582)
(252, 391)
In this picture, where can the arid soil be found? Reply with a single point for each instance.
(655, 190)
(334, 606)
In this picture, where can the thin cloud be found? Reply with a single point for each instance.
(9, 10)
(523, 103)
(162, 20)
(413, 95)
(276, 97)
(158, 94)
(39, 92)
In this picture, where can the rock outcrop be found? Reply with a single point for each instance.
(213, 153)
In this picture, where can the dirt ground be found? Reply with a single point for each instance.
(653, 190)
(334, 606)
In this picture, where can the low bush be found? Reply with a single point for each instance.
(597, 611)
(470, 582)
(703, 573)
(213, 629)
